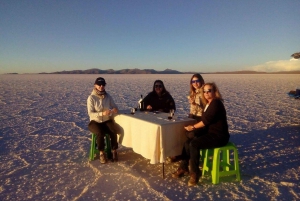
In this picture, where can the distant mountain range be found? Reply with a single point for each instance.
(166, 71)
(152, 71)
(123, 71)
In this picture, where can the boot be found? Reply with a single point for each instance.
(194, 178)
(115, 155)
(102, 158)
(179, 173)
(174, 159)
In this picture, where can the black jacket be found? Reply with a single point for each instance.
(215, 119)
(165, 102)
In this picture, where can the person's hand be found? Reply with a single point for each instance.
(114, 110)
(189, 128)
(191, 100)
(149, 107)
(106, 112)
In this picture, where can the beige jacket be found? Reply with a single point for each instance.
(97, 104)
(197, 107)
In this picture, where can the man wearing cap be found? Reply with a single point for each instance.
(100, 107)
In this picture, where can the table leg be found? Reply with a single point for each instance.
(163, 170)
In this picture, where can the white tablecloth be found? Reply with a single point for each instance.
(152, 135)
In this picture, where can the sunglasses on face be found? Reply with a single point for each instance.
(158, 86)
(101, 85)
(195, 81)
(207, 91)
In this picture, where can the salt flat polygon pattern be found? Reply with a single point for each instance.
(44, 140)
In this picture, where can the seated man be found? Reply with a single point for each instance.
(100, 107)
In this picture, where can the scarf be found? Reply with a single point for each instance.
(198, 90)
(101, 94)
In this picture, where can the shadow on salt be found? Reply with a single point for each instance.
(265, 152)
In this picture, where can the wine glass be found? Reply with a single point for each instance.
(171, 114)
(172, 111)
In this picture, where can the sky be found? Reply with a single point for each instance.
(200, 36)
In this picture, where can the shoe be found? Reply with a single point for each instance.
(102, 158)
(174, 159)
(115, 155)
(179, 173)
(194, 178)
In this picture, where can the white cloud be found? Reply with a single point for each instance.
(281, 65)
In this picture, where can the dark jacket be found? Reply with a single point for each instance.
(215, 120)
(164, 102)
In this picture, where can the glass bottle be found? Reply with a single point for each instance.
(140, 105)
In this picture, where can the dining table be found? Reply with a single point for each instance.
(152, 134)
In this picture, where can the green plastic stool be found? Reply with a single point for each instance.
(94, 150)
(212, 162)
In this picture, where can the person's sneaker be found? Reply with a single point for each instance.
(194, 178)
(179, 173)
(102, 158)
(115, 155)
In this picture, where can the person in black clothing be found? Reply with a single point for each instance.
(210, 132)
(159, 99)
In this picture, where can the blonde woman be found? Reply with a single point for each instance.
(210, 132)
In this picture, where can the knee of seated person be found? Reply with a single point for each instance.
(100, 134)
(193, 144)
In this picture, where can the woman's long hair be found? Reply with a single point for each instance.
(192, 89)
(215, 89)
(162, 84)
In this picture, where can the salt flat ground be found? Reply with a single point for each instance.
(45, 141)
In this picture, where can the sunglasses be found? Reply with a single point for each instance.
(158, 86)
(195, 81)
(207, 91)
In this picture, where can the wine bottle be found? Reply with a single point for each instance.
(141, 103)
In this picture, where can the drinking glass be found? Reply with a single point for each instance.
(171, 114)
(172, 111)
(132, 110)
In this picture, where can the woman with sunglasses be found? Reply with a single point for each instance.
(100, 107)
(210, 132)
(196, 101)
(196, 98)
(159, 99)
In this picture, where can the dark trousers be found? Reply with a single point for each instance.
(191, 149)
(100, 129)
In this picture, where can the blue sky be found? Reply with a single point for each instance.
(203, 36)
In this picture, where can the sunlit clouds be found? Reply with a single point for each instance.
(281, 65)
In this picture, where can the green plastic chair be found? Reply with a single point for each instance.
(217, 162)
(94, 150)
